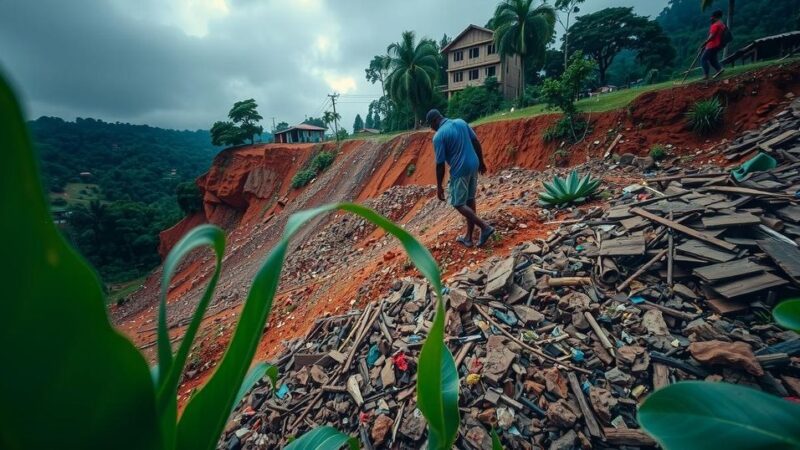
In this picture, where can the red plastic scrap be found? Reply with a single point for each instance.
(400, 361)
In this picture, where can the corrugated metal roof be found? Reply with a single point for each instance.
(302, 126)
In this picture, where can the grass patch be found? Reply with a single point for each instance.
(76, 194)
(119, 292)
(621, 98)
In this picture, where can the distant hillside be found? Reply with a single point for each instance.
(115, 184)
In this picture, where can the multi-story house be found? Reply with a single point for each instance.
(472, 57)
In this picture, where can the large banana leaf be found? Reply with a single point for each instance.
(693, 414)
(323, 438)
(68, 379)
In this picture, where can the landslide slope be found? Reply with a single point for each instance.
(338, 261)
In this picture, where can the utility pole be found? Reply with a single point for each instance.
(333, 97)
(273, 125)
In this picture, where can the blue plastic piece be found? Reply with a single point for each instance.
(577, 354)
(373, 355)
(637, 299)
(282, 391)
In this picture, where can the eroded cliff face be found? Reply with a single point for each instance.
(251, 185)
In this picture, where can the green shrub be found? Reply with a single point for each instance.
(474, 102)
(102, 389)
(59, 201)
(303, 177)
(706, 116)
(658, 152)
(573, 189)
(410, 170)
(322, 161)
(189, 197)
(566, 129)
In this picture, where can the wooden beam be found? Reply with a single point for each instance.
(684, 229)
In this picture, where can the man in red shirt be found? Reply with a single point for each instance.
(713, 45)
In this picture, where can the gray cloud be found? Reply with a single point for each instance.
(164, 63)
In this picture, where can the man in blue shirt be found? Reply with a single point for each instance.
(457, 145)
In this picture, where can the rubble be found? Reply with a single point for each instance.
(557, 343)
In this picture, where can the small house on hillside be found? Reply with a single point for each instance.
(302, 133)
(472, 58)
(368, 131)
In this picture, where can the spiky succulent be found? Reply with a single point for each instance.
(572, 189)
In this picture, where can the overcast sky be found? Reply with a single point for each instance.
(182, 63)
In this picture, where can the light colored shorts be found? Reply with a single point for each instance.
(462, 189)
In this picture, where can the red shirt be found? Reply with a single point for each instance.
(717, 30)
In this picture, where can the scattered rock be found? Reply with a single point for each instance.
(734, 354)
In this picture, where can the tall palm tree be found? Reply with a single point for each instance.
(332, 118)
(413, 72)
(705, 4)
(525, 30)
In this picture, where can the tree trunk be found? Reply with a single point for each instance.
(566, 42)
(521, 92)
(731, 10)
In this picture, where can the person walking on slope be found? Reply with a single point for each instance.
(456, 144)
(713, 45)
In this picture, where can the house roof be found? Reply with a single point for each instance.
(302, 126)
(369, 130)
(460, 35)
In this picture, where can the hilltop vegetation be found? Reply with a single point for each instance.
(134, 172)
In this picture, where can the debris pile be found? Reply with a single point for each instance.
(557, 343)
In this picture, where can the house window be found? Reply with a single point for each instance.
(491, 49)
(474, 52)
(491, 71)
(458, 56)
(458, 77)
(474, 74)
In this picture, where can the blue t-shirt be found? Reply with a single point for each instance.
(453, 144)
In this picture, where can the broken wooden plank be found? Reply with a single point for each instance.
(625, 246)
(731, 269)
(684, 229)
(698, 249)
(749, 285)
(627, 436)
(588, 414)
(785, 255)
(730, 220)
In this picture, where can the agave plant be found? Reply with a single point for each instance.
(572, 189)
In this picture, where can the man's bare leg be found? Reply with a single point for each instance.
(470, 215)
(471, 224)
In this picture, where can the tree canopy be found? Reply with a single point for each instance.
(141, 183)
(358, 124)
(520, 28)
(474, 102)
(604, 34)
(414, 71)
(242, 126)
(281, 126)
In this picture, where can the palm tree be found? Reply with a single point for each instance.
(332, 118)
(524, 30)
(705, 4)
(413, 72)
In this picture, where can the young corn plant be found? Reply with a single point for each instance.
(570, 190)
(685, 414)
(67, 367)
(706, 116)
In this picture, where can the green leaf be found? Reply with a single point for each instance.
(552, 190)
(572, 182)
(787, 314)
(437, 385)
(685, 415)
(496, 444)
(205, 415)
(170, 371)
(69, 379)
(259, 371)
(323, 438)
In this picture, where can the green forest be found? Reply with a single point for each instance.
(626, 48)
(137, 181)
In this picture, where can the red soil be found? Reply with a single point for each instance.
(247, 192)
